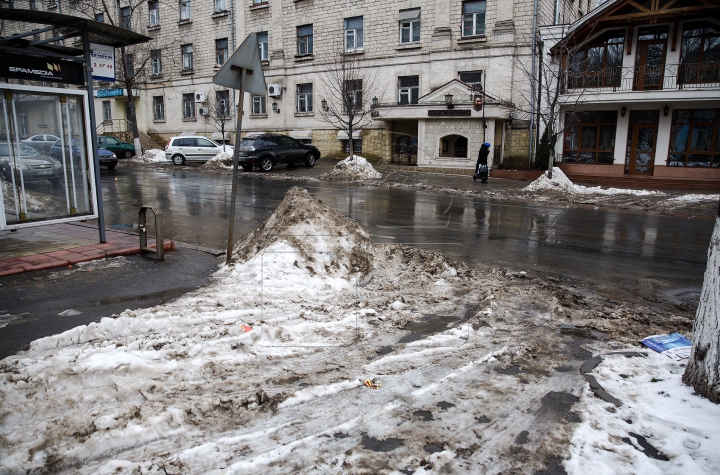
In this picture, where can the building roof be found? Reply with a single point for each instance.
(628, 13)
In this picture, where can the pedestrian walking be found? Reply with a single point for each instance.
(481, 167)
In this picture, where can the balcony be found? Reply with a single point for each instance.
(645, 78)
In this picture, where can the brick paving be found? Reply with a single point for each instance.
(60, 245)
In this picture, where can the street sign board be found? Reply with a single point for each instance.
(246, 57)
(103, 62)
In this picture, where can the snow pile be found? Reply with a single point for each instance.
(353, 168)
(221, 161)
(34, 200)
(153, 156)
(682, 428)
(263, 370)
(560, 182)
(695, 197)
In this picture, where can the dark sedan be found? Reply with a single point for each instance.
(107, 158)
(33, 164)
(266, 151)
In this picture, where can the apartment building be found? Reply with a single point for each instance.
(640, 88)
(448, 74)
(452, 74)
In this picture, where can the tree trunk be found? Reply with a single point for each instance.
(703, 369)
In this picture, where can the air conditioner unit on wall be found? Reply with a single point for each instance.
(204, 111)
(200, 97)
(274, 90)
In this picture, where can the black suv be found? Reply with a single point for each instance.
(266, 151)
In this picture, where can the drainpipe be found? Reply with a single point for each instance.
(556, 16)
(532, 84)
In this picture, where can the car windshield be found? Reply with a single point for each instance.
(25, 150)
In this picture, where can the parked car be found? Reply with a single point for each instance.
(105, 156)
(41, 143)
(192, 148)
(267, 151)
(34, 165)
(117, 146)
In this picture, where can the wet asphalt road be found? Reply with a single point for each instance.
(626, 254)
(661, 257)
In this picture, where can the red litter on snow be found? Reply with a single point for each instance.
(246, 328)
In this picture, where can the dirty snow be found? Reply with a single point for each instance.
(560, 182)
(260, 371)
(221, 161)
(35, 200)
(353, 168)
(696, 197)
(151, 156)
(679, 425)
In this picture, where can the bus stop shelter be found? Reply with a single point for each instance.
(49, 167)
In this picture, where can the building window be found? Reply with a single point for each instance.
(357, 145)
(258, 105)
(590, 137)
(354, 33)
(353, 95)
(409, 26)
(125, 14)
(185, 11)
(473, 18)
(305, 40)
(304, 98)
(159, 107)
(453, 146)
(221, 51)
(262, 38)
(598, 64)
(408, 89)
(154, 9)
(129, 66)
(220, 5)
(695, 138)
(100, 17)
(700, 55)
(222, 102)
(259, 2)
(107, 111)
(188, 106)
(472, 78)
(187, 57)
(156, 62)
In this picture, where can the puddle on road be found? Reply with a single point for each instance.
(387, 445)
(427, 326)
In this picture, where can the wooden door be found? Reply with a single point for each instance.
(642, 138)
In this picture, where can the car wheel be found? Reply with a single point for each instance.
(111, 167)
(309, 160)
(247, 167)
(266, 164)
(178, 159)
(128, 154)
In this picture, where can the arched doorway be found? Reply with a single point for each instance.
(453, 146)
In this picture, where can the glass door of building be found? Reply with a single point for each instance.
(650, 58)
(642, 136)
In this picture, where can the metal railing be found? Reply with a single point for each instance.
(645, 78)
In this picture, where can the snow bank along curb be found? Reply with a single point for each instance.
(560, 182)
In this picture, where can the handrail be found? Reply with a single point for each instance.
(645, 78)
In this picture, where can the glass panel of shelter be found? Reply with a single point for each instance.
(47, 182)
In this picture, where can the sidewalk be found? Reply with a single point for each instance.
(59, 245)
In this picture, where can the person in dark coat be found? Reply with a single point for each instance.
(481, 167)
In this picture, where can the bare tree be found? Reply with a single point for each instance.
(220, 111)
(703, 369)
(349, 92)
(563, 83)
(137, 63)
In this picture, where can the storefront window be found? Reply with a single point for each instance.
(695, 138)
(590, 137)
